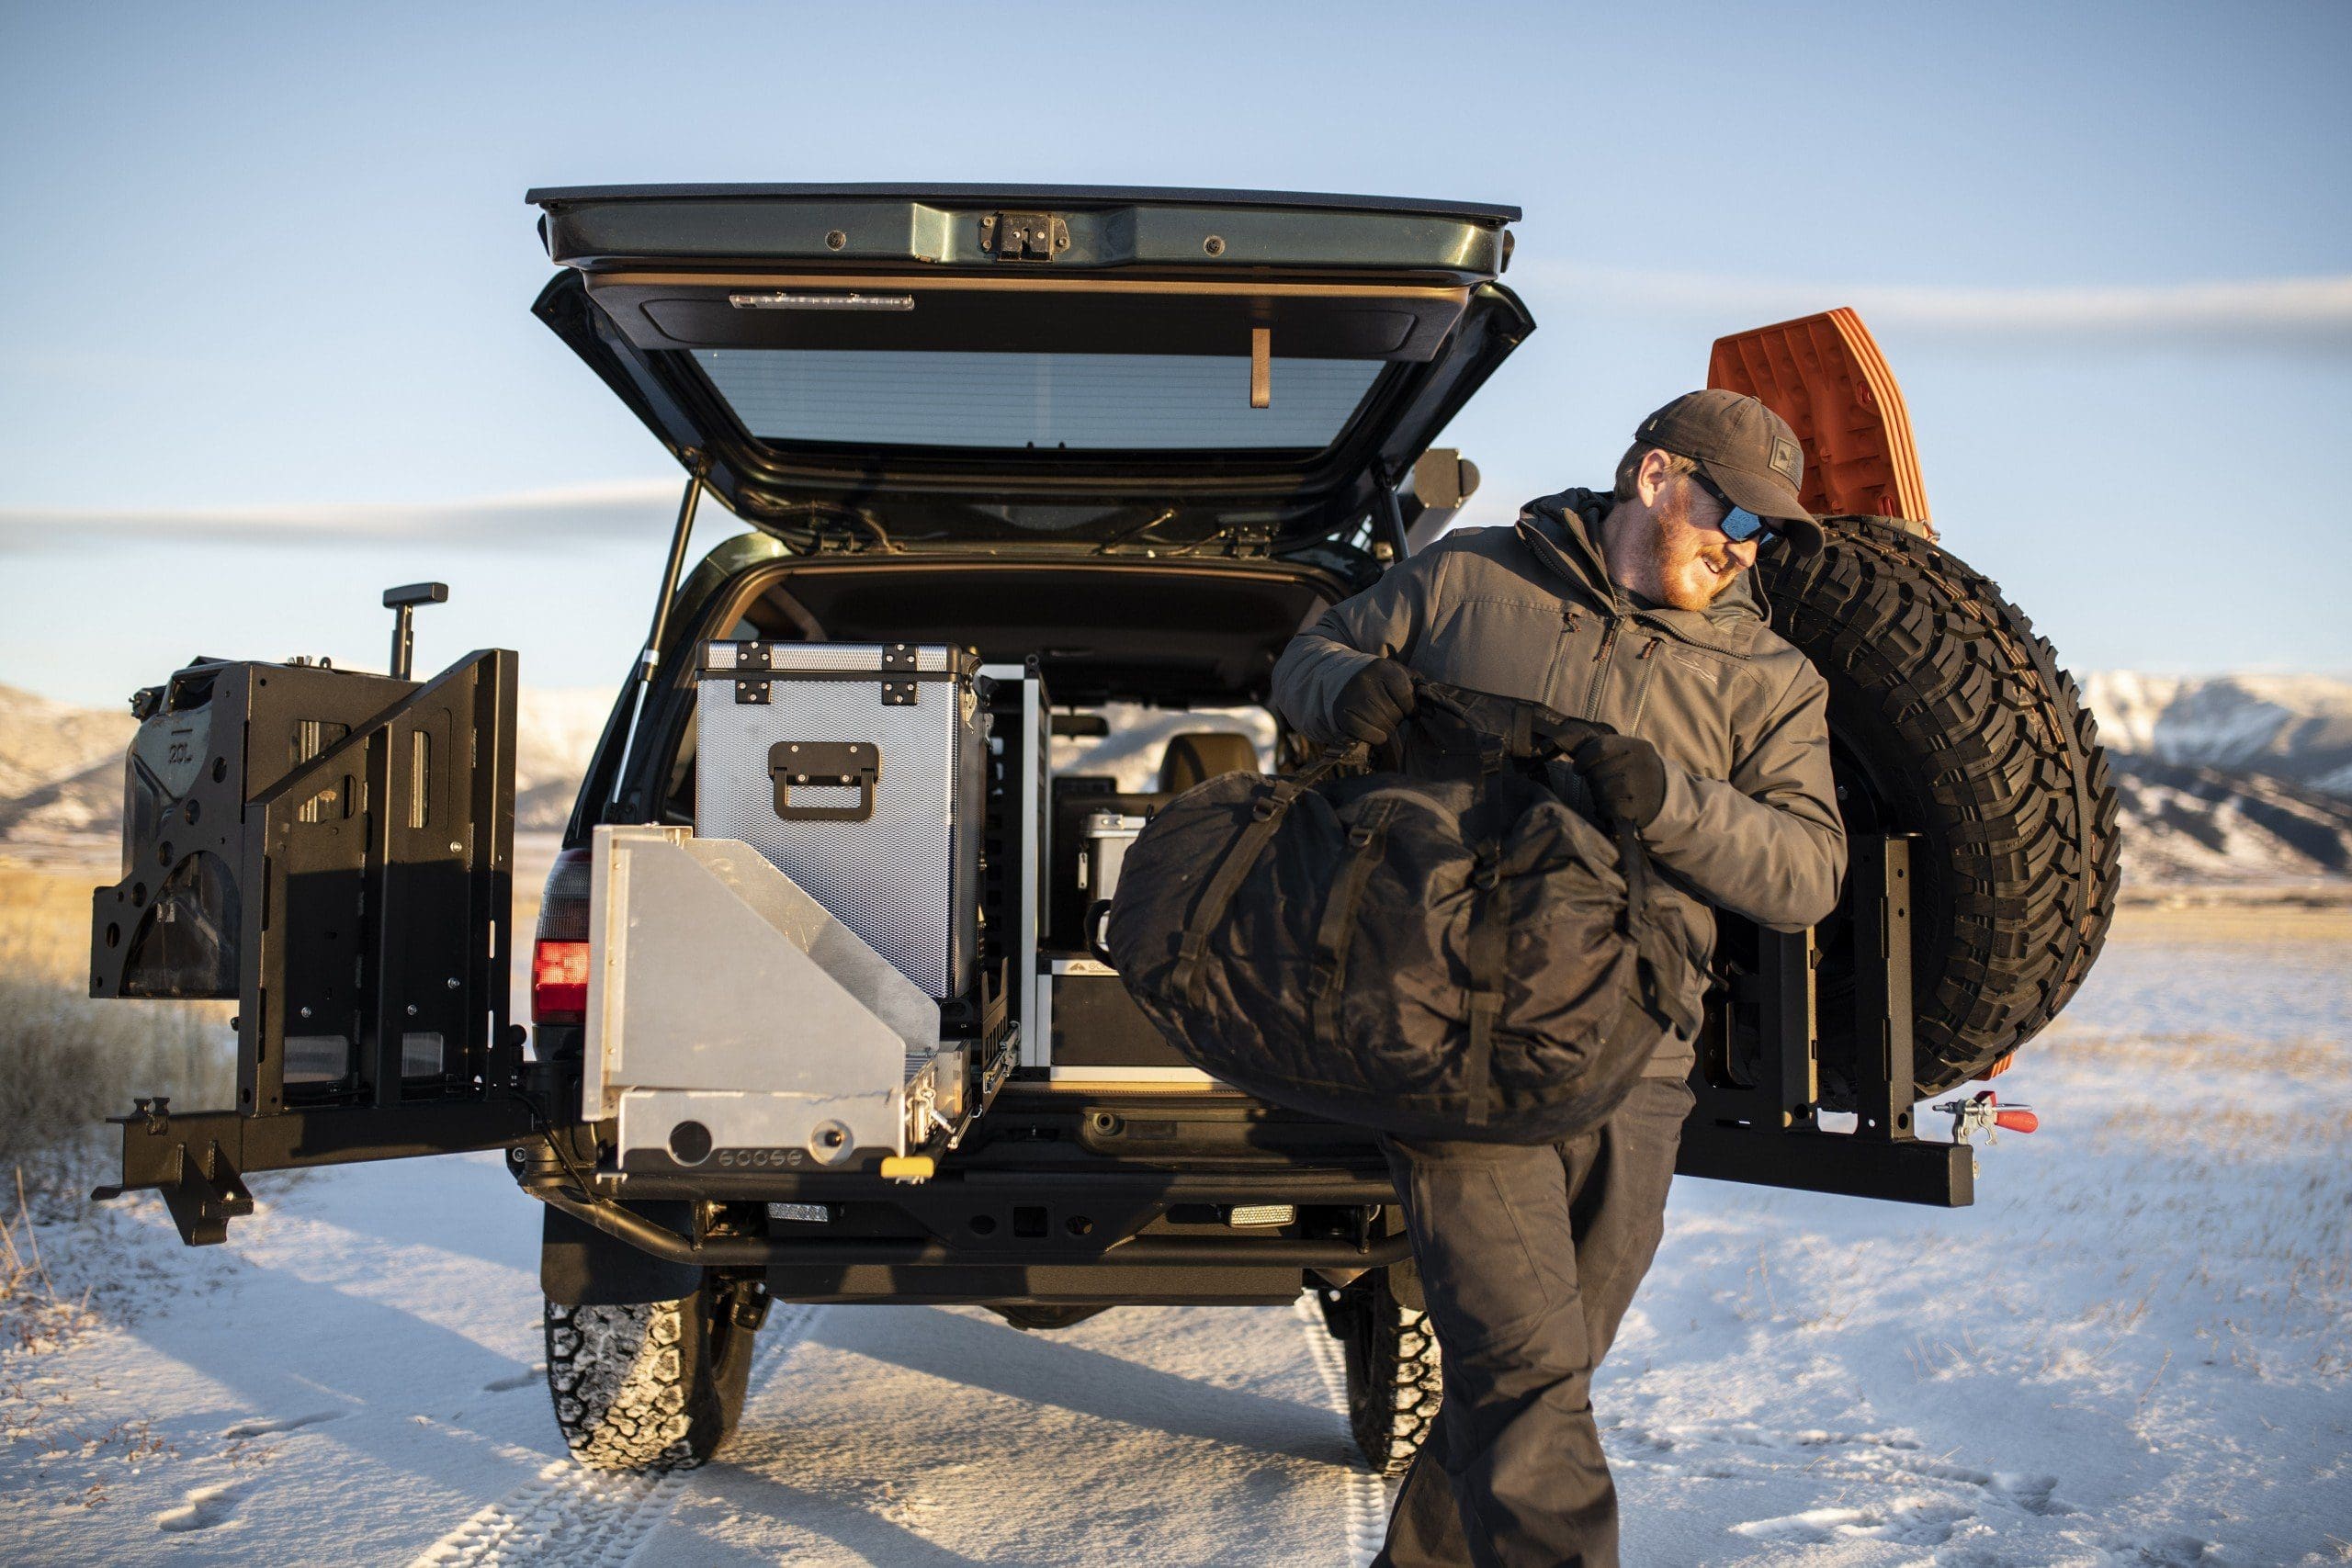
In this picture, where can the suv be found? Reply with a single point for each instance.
(1105, 451)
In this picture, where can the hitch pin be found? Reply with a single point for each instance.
(1983, 1112)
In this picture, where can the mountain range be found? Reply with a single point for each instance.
(2231, 780)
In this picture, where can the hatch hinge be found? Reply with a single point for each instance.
(1023, 236)
(1250, 540)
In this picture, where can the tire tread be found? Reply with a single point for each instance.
(2008, 784)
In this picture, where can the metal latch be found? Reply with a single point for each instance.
(824, 764)
(1023, 236)
(1982, 1112)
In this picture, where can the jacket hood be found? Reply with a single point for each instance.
(1564, 531)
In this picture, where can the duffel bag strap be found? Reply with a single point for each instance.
(1487, 931)
(1336, 932)
(1266, 820)
(1633, 865)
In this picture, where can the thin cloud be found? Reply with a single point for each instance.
(621, 509)
(2297, 315)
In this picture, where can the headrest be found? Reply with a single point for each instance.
(1196, 756)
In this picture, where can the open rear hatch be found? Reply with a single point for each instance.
(978, 366)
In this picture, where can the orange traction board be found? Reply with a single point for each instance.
(1825, 375)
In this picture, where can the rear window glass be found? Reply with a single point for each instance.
(1078, 402)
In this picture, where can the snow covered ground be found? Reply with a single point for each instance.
(2137, 1348)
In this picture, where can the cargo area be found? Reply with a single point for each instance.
(869, 910)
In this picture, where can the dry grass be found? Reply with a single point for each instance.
(34, 1313)
(2308, 1058)
(72, 1060)
(2235, 924)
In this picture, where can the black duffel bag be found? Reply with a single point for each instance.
(1455, 951)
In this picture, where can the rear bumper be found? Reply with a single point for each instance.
(1066, 1194)
(1163, 1251)
(1061, 1194)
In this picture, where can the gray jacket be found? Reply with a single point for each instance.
(1750, 822)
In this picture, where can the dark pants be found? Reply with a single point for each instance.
(1529, 1257)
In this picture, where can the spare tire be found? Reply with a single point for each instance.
(1950, 719)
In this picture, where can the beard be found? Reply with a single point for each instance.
(1684, 565)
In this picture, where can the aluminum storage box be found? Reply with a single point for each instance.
(1102, 850)
(858, 770)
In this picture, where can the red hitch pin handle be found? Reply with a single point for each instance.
(1983, 1112)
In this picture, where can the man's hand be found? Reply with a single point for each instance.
(1626, 775)
(1374, 702)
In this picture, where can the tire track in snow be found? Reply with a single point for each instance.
(1366, 1502)
(571, 1515)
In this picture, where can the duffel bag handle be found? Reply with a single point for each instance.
(1532, 732)
(1541, 734)
(1557, 735)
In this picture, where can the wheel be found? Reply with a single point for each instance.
(1045, 1317)
(652, 1385)
(1949, 718)
(1394, 1385)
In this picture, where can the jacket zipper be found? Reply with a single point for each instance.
(1642, 684)
(1600, 668)
(1559, 676)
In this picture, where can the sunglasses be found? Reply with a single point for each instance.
(1739, 525)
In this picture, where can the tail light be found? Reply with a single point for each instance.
(560, 950)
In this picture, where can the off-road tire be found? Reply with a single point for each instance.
(1950, 718)
(651, 1386)
(1394, 1383)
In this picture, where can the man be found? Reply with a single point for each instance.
(1637, 610)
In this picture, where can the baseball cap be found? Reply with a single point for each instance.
(1745, 450)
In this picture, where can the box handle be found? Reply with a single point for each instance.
(824, 764)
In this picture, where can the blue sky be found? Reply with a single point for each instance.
(265, 273)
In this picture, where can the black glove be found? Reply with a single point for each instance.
(1374, 702)
(1626, 775)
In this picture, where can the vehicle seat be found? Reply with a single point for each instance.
(1195, 756)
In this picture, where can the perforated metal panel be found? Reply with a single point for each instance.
(906, 878)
